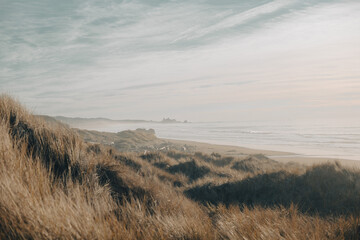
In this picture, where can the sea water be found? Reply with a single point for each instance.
(336, 139)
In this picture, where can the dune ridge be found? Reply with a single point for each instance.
(54, 185)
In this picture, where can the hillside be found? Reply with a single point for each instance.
(139, 140)
(56, 185)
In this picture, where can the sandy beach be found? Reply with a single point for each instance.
(284, 157)
(140, 140)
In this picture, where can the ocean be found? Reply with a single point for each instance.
(316, 139)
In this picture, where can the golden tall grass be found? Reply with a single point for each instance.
(55, 186)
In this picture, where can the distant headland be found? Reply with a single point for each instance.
(77, 122)
(169, 120)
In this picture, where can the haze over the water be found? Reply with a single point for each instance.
(197, 60)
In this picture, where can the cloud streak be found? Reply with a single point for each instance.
(72, 57)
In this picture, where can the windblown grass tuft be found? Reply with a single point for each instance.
(56, 186)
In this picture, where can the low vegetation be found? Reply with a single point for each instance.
(54, 185)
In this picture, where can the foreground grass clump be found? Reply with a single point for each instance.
(55, 186)
(326, 189)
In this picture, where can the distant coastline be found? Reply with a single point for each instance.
(148, 139)
(81, 122)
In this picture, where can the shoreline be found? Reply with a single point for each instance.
(221, 148)
(280, 156)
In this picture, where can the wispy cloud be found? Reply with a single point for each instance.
(72, 57)
(237, 19)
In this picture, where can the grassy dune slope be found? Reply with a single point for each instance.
(56, 186)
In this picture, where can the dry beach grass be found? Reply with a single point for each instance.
(56, 186)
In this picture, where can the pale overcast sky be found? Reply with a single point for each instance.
(197, 60)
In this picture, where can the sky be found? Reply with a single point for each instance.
(197, 60)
